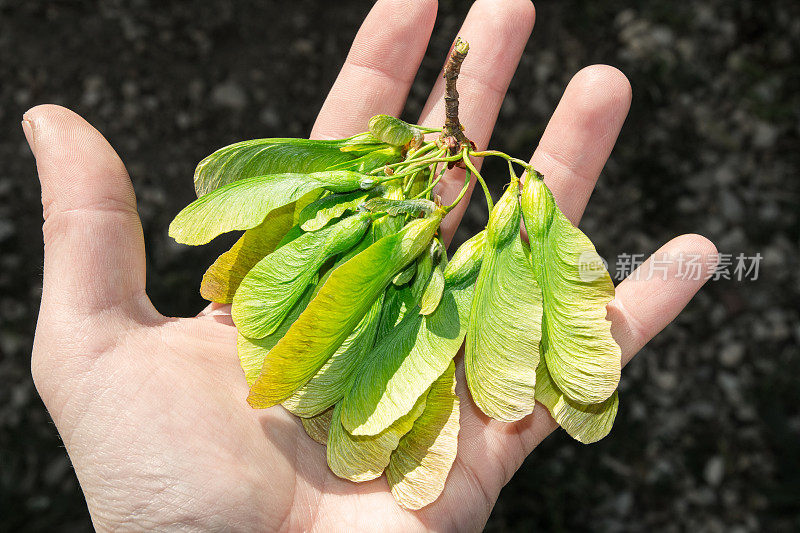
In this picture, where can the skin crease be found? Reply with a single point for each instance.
(152, 409)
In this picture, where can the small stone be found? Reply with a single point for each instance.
(714, 471)
(765, 135)
(92, 90)
(270, 117)
(731, 207)
(732, 354)
(229, 94)
(7, 229)
(303, 46)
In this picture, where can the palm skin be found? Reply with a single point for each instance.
(152, 409)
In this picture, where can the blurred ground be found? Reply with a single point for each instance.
(708, 435)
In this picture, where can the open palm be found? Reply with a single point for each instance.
(152, 409)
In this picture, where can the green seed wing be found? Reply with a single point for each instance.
(262, 157)
(405, 363)
(318, 427)
(584, 423)
(502, 343)
(253, 351)
(433, 292)
(419, 466)
(273, 285)
(319, 213)
(392, 207)
(396, 304)
(331, 382)
(245, 203)
(405, 275)
(338, 307)
(361, 458)
(582, 356)
(465, 264)
(422, 275)
(223, 277)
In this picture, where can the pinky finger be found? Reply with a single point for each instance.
(653, 295)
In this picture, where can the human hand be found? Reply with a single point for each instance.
(152, 409)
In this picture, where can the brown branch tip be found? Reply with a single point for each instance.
(453, 132)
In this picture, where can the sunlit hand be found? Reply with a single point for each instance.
(152, 409)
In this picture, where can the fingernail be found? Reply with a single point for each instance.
(27, 128)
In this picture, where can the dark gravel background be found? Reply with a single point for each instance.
(708, 435)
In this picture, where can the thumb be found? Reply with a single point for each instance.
(94, 258)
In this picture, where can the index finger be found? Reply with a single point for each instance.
(378, 72)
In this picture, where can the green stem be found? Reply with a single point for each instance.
(410, 183)
(426, 162)
(467, 179)
(470, 166)
(425, 148)
(416, 156)
(505, 156)
(514, 177)
(433, 184)
(426, 129)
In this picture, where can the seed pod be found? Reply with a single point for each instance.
(466, 262)
(415, 206)
(405, 275)
(423, 274)
(419, 466)
(581, 355)
(393, 131)
(265, 157)
(244, 204)
(433, 292)
(502, 343)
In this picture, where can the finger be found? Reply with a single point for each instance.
(379, 69)
(644, 305)
(497, 32)
(653, 295)
(581, 134)
(94, 249)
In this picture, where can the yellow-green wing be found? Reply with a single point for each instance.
(253, 351)
(361, 458)
(432, 295)
(244, 204)
(392, 130)
(223, 277)
(419, 466)
(320, 212)
(406, 361)
(584, 423)
(581, 355)
(264, 157)
(502, 343)
(331, 382)
(317, 427)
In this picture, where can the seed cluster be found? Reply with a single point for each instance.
(350, 315)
